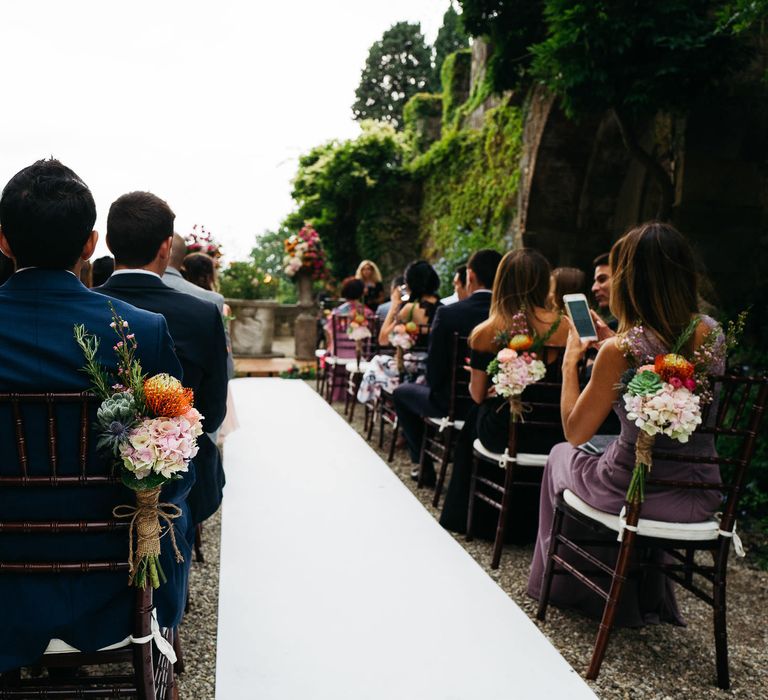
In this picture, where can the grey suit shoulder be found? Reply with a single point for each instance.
(174, 279)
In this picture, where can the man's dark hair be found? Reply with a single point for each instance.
(47, 213)
(137, 224)
(461, 271)
(602, 259)
(484, 264)
(101, 270)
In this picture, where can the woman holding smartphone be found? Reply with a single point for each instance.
(654, 298)
(521, 286)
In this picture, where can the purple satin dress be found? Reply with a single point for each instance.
(602, 482)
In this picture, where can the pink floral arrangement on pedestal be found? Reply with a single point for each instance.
(304, 251)
(202, 241)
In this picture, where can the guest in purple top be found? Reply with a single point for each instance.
(654, 287)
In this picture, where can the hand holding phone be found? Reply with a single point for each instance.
(577, 308)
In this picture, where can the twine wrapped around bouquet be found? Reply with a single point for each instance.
(643, 463)
(145, 527)
(400, 359)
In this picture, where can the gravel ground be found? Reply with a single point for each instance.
(655, 663)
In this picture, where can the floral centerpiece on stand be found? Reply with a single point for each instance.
(516, 365)
(202, 241)
(304, 251)
(149, 428)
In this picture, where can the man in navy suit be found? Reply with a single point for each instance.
(46, 226)
(140, 236)
(414, 401)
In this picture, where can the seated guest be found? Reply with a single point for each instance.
(521, 287)
(460, 290)
(601, 289)
(414, 401)
(373, 291)
(140, 236)
(654, 298)
(422, 303)
(352, 291)
(565, 280)
(47, 215)
(101, 270)
(382, 309)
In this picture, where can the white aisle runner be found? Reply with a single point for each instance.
(337, 584)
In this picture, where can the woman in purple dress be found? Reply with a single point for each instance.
(654, 297)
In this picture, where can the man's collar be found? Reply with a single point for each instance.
(136, 271)
(33, 267)
(483, 290)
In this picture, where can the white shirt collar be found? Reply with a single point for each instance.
(482, 291)
(136, 271)
(34, 267)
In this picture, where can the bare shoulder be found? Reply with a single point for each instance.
(483, 337)
(611, 356)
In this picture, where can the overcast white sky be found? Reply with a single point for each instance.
(206, 104)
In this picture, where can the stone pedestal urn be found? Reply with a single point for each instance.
(253, 327)
(305, 330)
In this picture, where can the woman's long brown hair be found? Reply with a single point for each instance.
(522, 282)
(654, 281)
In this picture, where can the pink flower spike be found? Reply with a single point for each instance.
(130, 336)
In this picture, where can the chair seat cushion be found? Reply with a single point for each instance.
(320, 352)
(437, 422)
(59, 646)
(352, 367)
(694, 532)
(524, 459)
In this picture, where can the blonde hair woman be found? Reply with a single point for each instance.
(368, 272)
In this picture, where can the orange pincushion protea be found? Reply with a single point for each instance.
(520, 342)
(671, 365)
(166, 396)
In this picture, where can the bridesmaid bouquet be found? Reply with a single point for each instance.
(149, 427)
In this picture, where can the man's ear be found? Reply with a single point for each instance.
(471, 281)
(90, 245)
(5, 247)
(164, 252)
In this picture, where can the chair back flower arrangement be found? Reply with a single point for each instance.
(149, 428)
(358, 330)
(202, 241)
(517, 365)
(665, 395)
(304, 251)
(403, 337)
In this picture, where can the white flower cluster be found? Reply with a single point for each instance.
(674, 412)
(293, 263)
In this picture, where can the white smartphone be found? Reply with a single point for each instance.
(578, 311)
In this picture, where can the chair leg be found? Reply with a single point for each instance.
(371, 413)
(423, 454)
(392, 445)
(721, 630)
(447, 446)
(199, 544)
(381, 428)
(549, 570)
(352, 410)
(178, 667)
(611, 605)
(347, 395)
(501, 523)
(471, 504)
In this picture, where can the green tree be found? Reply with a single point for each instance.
(511, 27)
(336, 189)
(398, 66)
(451, 37)
(635, 59)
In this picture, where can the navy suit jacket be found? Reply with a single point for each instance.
(198, 334)
(460, 317)
(38, 309)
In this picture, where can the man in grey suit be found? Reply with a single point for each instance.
(172, 277)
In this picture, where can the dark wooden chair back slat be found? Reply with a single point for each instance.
(149, 679)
